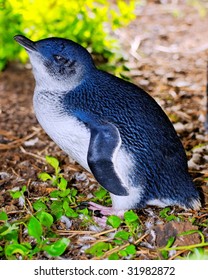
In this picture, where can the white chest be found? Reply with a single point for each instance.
(66, 131)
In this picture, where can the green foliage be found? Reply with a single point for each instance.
(114, 221)
(36, 232)
(39, 225)
(132, 221)
(197, 254)
(57, 248)
(100, 193)
(102, 196)
(63, 196)
(121, 241)
(98, 249)
(165, 250)
(3, 216)
(164, 213)
(56, 179)
(121, 235)
(34, 228)
(38, 228)
(86, 22)
(18, 194)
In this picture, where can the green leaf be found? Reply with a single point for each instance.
(124, 235)
(114, 221)
(45, 218)
(171, 218)
(3, 216)
(55, 193)
(170, 242)
(57, 248)
(164, 212)
(45, 176)
(73, 192)
(65, 205)
(39, 205)
(131, 250)
(34, 228)
(69, 211)
(98, 249)
(7, 229)
(56, 206)
(15, 194)
(19, 193)
(123, 253)
(62, 184)
(100, 193)
(114, 256)
(64, 193)
(130, 217)
(24, 188)
(53, 162)
(118, 241)
(164, 254)
(13, 249)
(192, 231)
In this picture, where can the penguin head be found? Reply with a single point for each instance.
(58, 64)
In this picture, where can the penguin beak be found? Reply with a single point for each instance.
(25, 42)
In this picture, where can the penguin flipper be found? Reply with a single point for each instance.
(104, 143)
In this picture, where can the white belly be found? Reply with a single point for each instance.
(71, 136)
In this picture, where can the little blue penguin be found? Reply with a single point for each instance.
(111, 127)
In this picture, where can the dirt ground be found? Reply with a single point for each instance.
(167, 52)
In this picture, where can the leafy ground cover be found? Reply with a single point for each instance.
(42, 210)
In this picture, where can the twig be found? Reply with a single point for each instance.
(18, 142)
(77, 232)
(177, 254)
(31, 154)
(141, 238)
(103, 232)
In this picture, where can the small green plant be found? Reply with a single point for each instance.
(164, 213)
(122, 244)
(56, 179)
(102, 196)
(61, 197)
(39, 224)
(19, 194)
(114, 221)
(132, 221)
(63, 201)
(38, 235)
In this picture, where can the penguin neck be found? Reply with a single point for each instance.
(52, 87)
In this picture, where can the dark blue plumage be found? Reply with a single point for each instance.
(146, 132)
(111, 127)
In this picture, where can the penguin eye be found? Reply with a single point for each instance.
(60, 59)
